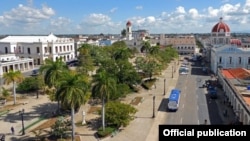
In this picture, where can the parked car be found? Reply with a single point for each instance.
(184, 72)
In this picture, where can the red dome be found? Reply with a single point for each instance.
(129, 23)
(221, 27)
(235, 42)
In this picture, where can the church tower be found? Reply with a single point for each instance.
(129, 30)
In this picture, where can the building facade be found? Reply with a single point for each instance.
(38, 48)
(235, 83)
(11, 62)
(227, 52)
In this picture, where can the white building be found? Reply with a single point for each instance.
(12, 62)
(225, 51)
(38, 47)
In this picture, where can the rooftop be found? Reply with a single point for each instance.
(240, 79)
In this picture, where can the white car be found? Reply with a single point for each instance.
(184, 72)
(182, 65)
(184, 68)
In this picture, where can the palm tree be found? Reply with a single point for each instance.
(13, 77)
(103, 85)
(71, 92)
(53, 71)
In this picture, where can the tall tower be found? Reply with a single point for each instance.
(129, 30)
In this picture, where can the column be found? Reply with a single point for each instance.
(1, 70)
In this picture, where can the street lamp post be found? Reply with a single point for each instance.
(172, 71)
(164, 87)
(178, 59)
(153, 107)
(21, 113)
(174, 66)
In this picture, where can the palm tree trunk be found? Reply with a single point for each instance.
(14, 92)
(103, 114)
(73, 123)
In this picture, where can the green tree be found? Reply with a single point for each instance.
(27, 85)
(123, 32)
(71, 92)
(53, 71)
(103, 86)
(13, 77)
(119, 114)
(85, 59)
(60, 128)
(145, 47)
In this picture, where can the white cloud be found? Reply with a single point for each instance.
(181, 20)
(194, 13)
(96, 19)
(139, 7)
(180, 10)
(113, 10)
(246, 7)
(26, 15)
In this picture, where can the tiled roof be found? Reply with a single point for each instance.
(239, 73)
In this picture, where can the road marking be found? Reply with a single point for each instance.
(198, 122)
(181, 121)
(197, 108)
(183, 106)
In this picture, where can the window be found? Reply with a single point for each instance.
(28, 50)
(6, 50)
(56, 49)
(37, 50)
(220, 60)
(230, 60)
(60, 49)
(248, 60)
(239, 60)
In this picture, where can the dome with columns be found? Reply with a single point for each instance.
(221, 27)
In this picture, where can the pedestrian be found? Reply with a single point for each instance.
(12, 130)
(205, 122)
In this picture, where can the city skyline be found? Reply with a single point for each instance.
(110, 17)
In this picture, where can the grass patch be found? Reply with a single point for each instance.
(106, 132)
(47, 124)
(137, 100)
(4, 112)
(35, 122)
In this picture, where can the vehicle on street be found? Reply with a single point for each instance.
(174, 100)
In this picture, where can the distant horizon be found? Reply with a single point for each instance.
(112, 34)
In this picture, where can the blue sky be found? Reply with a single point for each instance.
(110, 16)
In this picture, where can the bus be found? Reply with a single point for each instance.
(174, 99)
